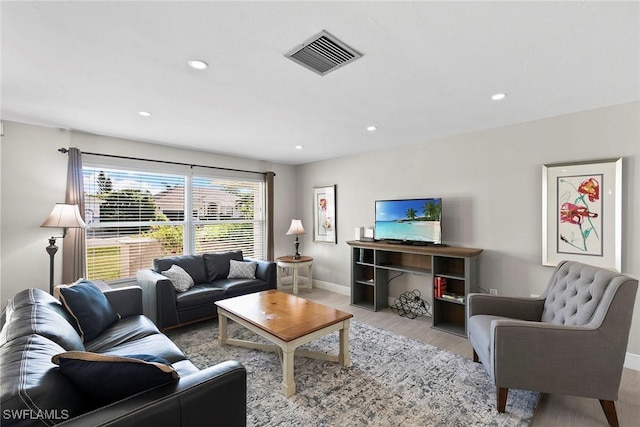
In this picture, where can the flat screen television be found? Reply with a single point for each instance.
(411, 221)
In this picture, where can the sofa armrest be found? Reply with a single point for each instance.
(126, 301)
(515, 308)
(266, 270)
(158, 298)
(217, 394)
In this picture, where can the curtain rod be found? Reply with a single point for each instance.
(65, 150)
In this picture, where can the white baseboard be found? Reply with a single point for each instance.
(343, 290)
(632, 361)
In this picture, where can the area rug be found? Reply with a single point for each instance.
(393, 381)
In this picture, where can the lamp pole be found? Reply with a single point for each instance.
(51, 250)
(296, 243)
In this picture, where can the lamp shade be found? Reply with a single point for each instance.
(64, 216)
(296, 227)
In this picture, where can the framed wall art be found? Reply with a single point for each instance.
(324, 214)
(582, 213)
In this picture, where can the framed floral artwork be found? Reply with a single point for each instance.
(324, 214)
(582, 213)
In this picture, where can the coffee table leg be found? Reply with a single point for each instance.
(343, 356)
(288, 384)
(222, 328)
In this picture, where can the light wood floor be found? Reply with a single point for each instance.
(553, 410)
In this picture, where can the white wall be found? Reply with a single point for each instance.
(33, 179)
(491, 187)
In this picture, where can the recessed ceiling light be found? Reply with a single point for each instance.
(144, 113)
(299, 147)
(198, 64)
(371, 128)
(499, 96)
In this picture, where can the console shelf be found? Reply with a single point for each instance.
(371, 263)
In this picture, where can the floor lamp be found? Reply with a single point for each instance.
(62, 216)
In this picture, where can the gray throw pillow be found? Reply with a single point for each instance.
(181, 280)
(242, 269)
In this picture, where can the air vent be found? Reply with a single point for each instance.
(323, 53)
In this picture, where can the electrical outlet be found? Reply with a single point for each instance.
(493, 292)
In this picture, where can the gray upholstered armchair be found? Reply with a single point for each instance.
(572, 340)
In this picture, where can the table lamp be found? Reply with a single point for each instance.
(296, 228)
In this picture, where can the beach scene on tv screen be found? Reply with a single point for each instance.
(416, 220)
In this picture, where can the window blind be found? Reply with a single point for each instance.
(228, 214)
(135, 216)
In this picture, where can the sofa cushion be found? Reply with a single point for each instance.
(236, 287)
(192, 264)
(129, 329)
(34, 311)
(109, 378)
(157, 344)
(30, 382)
(203, 294)
(217, 264)
(242, 269)
(89, 307)
(181, 280)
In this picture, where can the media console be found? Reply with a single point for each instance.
(371, 263)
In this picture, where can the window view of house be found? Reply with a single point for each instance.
(133, 217)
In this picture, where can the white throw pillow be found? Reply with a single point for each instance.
(242, 269)
(181, 280)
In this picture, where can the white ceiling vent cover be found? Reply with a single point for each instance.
(323, 53)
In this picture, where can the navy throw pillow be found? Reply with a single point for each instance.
(107, 378)
(89, 307)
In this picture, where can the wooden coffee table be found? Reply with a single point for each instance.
(288, 322)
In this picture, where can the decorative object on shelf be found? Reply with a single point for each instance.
(62, 216)
(296, 228)
(409, 304)
(359, 233)
(324, 214)
(582, 213)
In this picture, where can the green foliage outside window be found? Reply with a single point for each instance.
(108, 268)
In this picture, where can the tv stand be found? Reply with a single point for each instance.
(372, 263)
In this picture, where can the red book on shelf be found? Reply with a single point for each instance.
(439, 286)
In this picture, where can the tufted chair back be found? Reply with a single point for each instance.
(575, 293)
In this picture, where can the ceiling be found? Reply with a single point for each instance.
(428, 71)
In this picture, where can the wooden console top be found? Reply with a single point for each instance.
(417, 249)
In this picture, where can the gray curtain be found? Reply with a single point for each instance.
(268, 179)
(74, 244)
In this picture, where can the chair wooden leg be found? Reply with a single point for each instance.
(501, 395)
(609, 408)
(475, 356)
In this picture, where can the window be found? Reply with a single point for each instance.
(228, 214)
(133, 217)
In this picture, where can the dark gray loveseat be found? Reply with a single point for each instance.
(34, 392)
(168, 308)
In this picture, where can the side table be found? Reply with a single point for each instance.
(295, 264)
